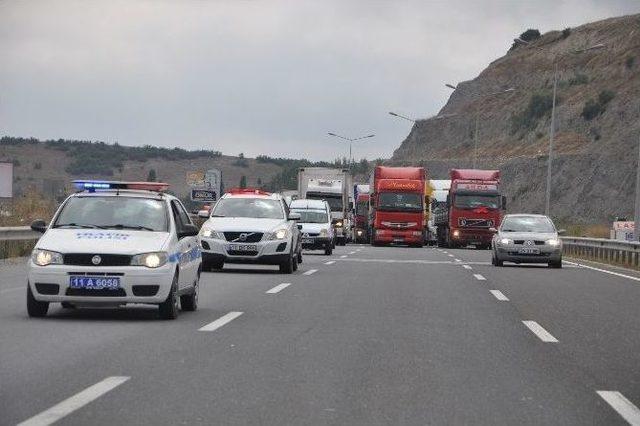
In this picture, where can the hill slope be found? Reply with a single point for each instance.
(597, 122)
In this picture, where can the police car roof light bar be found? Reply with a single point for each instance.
(93, 185)
(255, 191)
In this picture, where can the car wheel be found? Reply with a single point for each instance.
(300, 256)
(328, 251)
(35, 308)
(189, 302)
(169, 308)
(495, 261)
(556, 265)
(287, 266)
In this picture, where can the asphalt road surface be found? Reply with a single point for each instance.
(368, 336)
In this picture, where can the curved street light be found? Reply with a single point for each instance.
(351, 140)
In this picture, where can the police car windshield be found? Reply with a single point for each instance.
(258, 208)
(312, 216)
(113, 213)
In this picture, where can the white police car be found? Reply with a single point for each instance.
(114, 243)
(254, 227)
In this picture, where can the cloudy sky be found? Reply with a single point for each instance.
(259, 77)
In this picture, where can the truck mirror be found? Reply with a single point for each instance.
(504, 202)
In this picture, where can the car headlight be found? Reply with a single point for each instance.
(456, 233)
(210, 233)
(359, 232)
(150, 260)
(338, 224)
(45, 257)
(505, 241)
(554, 242)
(323, 232)
(280, 234)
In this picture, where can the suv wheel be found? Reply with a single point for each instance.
(287, 266)
(35, 308)
(169, 308)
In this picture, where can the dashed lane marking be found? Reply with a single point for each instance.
(331, 262)
(278, 288)
(457, 260)
(75, 402)
(450, 255)
(343, 256)
(310, 272)
(467, 267)
(622, 405)
(352, 252)
(479, 277)
(539, 331)
(499, 295)
(225, 319)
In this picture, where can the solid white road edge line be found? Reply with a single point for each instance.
(617, 274)
(499, 295)
(310, 271)
(278, 288)
(622, 405)
(467, 267)
(352, 252)
(479, 277)
(331, 262)
(539, 331)
(450, 255)
(75, 402)
(343, 256)
(212, 326)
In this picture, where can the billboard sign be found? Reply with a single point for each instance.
(6, 180)
(204, 195)
(205, 186)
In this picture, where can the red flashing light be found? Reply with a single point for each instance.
(254, 191)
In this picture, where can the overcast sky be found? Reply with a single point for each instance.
(259, 77)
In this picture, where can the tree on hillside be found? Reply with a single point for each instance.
(151, 177)
(243, 181)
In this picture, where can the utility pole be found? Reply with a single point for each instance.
(552, 131)
(636, 216)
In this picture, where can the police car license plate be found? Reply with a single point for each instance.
(529, 251)
(242, 247)
(307, 241)
(95, 283)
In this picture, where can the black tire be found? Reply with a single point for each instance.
(168, 309)
(295, 263)
(496, 262)
(287, 266)
(189, 302)
(300, 257)
(34, 308)
(556, 265)
(328, 251)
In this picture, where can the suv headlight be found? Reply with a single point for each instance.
(280, 234)
(506, 241)
(45, 257)
(554, 242)
(210, 233)
(150, 260)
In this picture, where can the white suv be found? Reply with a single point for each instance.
(115, 243)
(253, 227)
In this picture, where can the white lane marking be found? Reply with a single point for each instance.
(539, 331)
(278, 288)
(445, 252)
(331, 262)
(479, 277)
(450, 255)
(457, 260)
(8, 290)
(499, 295)
(617, 274)
(310, 272)
(75, 402)
(352, 252)
(622, 405)
(467, 267)
(212, 326)
(343, 256)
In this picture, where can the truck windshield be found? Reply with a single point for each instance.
(528, 224)
(473, 201)
(312, 216)
(362, 208)
(399, 201)
(334, 200)
(113, 212)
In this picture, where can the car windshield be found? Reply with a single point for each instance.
(312, 216)
(473, 201)
(362, 207)
(335, 201)
(113, 212)
(258, 208)
(400, 201)
(527, 224)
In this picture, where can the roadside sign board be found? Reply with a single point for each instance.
(205, 186)
(6, 180)
(204, 195)
(195, 179)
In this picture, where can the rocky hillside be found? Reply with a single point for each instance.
(597, 122)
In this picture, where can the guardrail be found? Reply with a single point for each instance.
(17, 241)
(614, 252)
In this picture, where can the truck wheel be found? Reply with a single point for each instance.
(34, 308)
(168, 309)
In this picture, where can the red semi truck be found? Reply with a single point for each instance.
(397, 205)
(474, 206)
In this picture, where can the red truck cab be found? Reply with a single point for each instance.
(475, 204)
(397, 205)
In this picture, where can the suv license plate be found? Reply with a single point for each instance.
(242, 247)
(95, 283)
(529, 251)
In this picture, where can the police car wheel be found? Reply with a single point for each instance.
(300, 256)
(169, 308)
(35, 308)
(295, 263)
(189, 302)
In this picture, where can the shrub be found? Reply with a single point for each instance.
(530, 35)
(539, 105)
(37, 166)
(594, 107)
(243, 181)
(566, 32)
(151, 177)
(605, 96)
(630, 61)
(578, 79)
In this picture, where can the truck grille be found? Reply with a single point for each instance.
(249, 237)
(475, 223)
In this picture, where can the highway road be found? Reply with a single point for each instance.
(368, 336)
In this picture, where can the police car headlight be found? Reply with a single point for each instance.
(554, 242)
(150, 260)
(46, 257)
(280, 234)
(210, 233)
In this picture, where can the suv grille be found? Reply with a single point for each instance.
(250, 237)
(84, 259)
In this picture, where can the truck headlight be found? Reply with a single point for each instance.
(150, 260)
(359, 232)
(554, 242)
(45, 257)
(280, 234)
(338, 224)
(210, 233)
(456, 233)
(505, 241)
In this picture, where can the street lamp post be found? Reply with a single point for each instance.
(636, 214)
(415, 120)
(351, 140)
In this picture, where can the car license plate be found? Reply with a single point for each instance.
(529, 251)
(307, 241)
(242, 247)
(94, 283)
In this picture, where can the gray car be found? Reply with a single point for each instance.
(527, 238)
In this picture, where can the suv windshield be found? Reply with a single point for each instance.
(472, 201)
(401, 201)
(312, 216)
(249, 207)
(528, 224)
(113, 212)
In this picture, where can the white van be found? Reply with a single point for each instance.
(315, 222)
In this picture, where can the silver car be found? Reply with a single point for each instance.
(527, 238)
